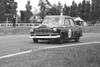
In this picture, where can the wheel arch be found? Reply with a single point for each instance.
(63, 34)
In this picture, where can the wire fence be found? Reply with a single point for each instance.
(19, 24)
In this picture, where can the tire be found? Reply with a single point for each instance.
(61, 39)
(77, 39)
(35, 40)
(69, 33)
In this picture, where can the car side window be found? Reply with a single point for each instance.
(71, 22)
(61, 21)
(67, 22)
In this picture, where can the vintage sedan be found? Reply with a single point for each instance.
(56, 28)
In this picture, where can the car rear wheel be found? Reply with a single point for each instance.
(69, 33)
(35, 40)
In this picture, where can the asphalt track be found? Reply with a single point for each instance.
(20, 43)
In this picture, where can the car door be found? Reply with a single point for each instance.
(73, 27)
(67, 26)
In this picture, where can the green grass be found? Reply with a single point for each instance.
(91, 29)
(13, 31)
(76, 56)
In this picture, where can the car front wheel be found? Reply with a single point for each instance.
(77, 39)
(35, 40)
(61, 39)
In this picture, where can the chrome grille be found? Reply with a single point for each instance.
(43, 31)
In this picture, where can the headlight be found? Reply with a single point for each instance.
(54, 29)
(31, 30)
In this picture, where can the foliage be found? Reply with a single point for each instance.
(28, 12)
(86, 10)
(73, 9)
(44, 7)
(28, 6)
(7, 7)
(95, 9)
(2, 10)
(66, 10)
(55, 10)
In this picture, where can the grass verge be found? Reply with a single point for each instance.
(76, 56)
(8, 30)
(91, 29)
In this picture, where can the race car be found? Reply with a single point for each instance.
(56, 28)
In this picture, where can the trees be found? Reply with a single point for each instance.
(66, 10)
(7, 7)
(2, 10)
(95, 9)
(56, 9)
(73, 9)
(84, 10)
(10, 6)
(28, 12)
(87, 14)
(44, 7)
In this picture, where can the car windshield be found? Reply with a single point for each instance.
(52, 21)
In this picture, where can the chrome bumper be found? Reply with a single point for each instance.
(48, 37)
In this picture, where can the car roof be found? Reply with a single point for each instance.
(64, 16)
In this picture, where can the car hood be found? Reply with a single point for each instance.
(46, 26)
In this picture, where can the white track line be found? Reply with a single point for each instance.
(68, 45)
(25, 52)
(11, 55)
